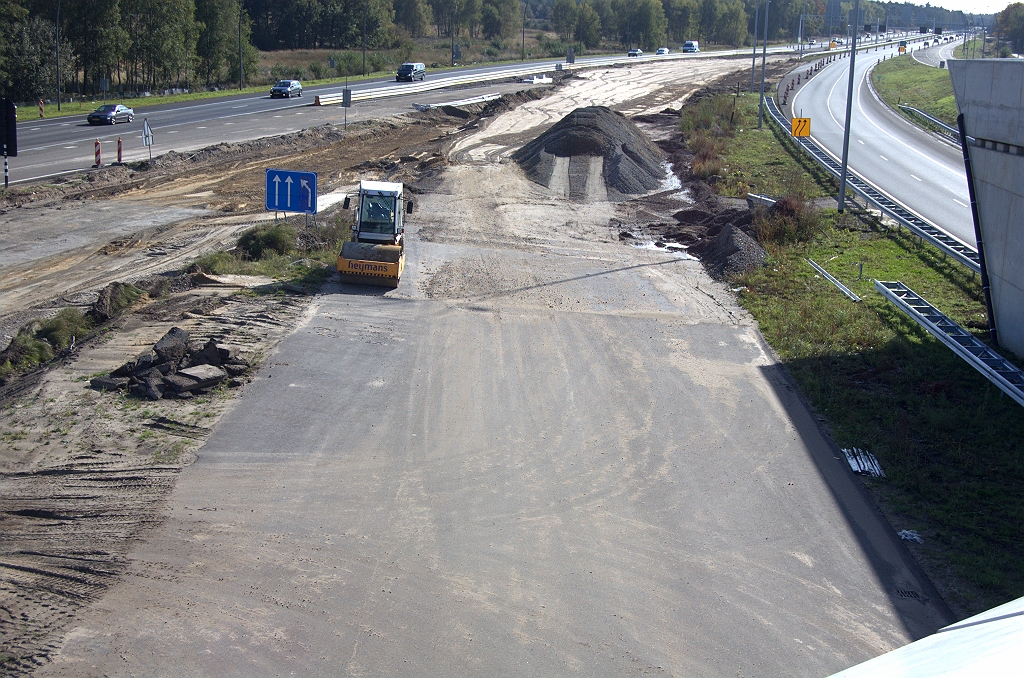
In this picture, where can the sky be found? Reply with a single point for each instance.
(972, 6)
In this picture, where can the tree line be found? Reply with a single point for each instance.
(134, 46)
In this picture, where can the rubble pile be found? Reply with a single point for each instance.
(176, 367)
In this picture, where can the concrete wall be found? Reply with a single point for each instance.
(990, 94)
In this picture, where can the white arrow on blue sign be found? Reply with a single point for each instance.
(289, 191)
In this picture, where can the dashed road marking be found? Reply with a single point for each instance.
(884, 158)
(918, 178)
(960, 203)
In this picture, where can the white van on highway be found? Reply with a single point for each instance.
(691, 46)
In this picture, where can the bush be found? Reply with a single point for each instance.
(318, 70)
(791, 220)
(713, 115)
(281, 72)
(707, 168)
(217, 263)
(69, 324)
(24, 351)
(262, 240)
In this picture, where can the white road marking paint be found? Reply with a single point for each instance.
(959, 203)
(277, 116)
(33, 129)
(242, 106)
(884, 158)
(173, 131)
(200, 128)
(229, 123)
(918, 178)
(860, 142)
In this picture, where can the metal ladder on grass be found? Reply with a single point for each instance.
(1001, 372)
(947, 244)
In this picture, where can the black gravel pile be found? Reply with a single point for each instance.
(632, 164)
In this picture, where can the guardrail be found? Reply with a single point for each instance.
(1004, 374)
(947, 244)
(952, 132)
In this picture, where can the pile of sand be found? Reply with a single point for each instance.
(593, 153)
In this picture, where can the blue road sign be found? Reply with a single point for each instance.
(289, 191)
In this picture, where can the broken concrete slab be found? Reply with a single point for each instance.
(173, 345)
(109, 383)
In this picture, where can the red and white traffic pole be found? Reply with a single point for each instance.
(99, 155)
(41, 113)
(119, 150)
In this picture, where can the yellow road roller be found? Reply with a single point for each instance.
(376, 254)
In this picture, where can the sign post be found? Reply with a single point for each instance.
(291, 191)
(147, 136)
(8, 134)
(346, 103)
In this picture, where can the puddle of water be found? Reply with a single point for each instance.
(676, 250)
(671, 181)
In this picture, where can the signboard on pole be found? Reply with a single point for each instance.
(346, 98)
(800, 127)
(147, 136)
(291, 191)
(9, 128)
(8, 134)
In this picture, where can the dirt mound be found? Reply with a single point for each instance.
(593, 153)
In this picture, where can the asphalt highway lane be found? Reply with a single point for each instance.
(61, 145)
(923, 173)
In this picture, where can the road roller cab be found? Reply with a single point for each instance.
(376, 254)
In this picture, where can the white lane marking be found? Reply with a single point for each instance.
(71, 147)
(242, 106)
(229, 123)
(860, 106)
(173, 131)
(65, 124)
(959, 203)
(200, 128)
(884, 158)
(298, 114)
(860, 142)
(918, 178)
(33, 129)
(277, 116)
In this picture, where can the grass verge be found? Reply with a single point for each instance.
(951, 444)
(904, 81)
(738, 158)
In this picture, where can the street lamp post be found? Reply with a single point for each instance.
(366, 7)
(57, 52)
(764, 59)
(753, 58)
(849, 115)
(524, 31)
(241, 73)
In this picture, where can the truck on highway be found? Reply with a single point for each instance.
(691, 46)
(376, 253)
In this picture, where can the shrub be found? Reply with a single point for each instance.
(705, 169)
(318, 70)
(281, 72)
(262, 240)
(24, 351)
(217, 263)
(69, 324)
(791, 220)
